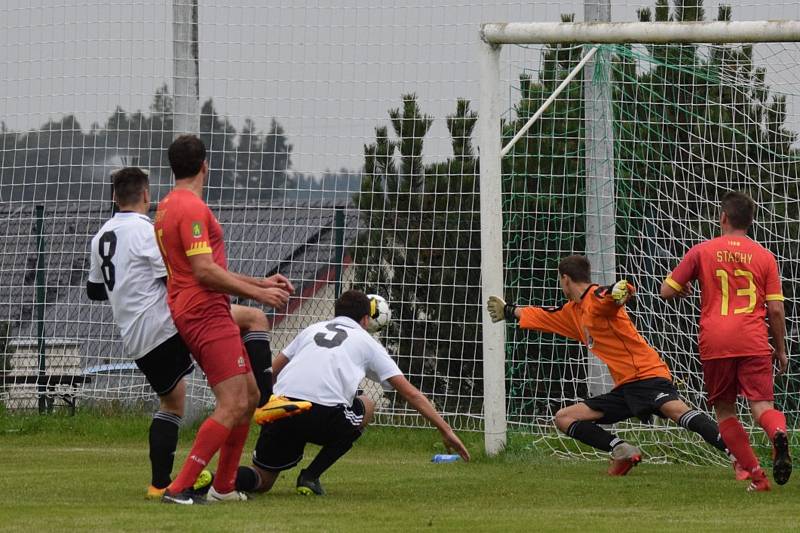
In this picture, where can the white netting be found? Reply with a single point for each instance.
(291, 96)
(688, 123)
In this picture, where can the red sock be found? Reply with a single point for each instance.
(210, 437)
(229, 455)
(738, 443)
(772, 420)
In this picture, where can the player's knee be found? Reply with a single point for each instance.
(563, 419)
(250, 319)
(369, 410)
(174, 400)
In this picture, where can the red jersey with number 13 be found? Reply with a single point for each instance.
(184, 227)
(737, 276)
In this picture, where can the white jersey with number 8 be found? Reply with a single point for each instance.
(125, 258)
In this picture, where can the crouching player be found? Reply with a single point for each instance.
(642, 382)
(324, 365)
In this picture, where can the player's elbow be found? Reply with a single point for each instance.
(775, 312)
(204, 274)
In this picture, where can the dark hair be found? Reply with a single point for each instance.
(352, 304)
(186, 156)
(577, 267)
(739, 208)
(129, 184)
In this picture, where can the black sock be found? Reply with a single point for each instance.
(328, 455)
(593, 435)
(703, 425)
(247, 479)
(163, 441)
(257, 345)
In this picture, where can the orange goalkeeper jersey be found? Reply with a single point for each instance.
(606, 329)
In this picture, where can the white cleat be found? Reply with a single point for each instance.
(233, 496)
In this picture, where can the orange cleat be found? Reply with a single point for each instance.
(624, 456)
(278, 407)
(154, 493)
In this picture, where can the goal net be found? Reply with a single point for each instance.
(671, 128)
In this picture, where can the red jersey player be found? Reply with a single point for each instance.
(740, 286)
(191, 243)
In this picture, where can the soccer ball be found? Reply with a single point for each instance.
(379, 313)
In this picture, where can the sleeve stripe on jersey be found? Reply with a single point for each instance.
(775, 297)
(198, 248)
(674, 284)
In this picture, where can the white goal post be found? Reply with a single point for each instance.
(600, 209)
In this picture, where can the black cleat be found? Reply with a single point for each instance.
(307, 486)
(186, 497)
(782, 460)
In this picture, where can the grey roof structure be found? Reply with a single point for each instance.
(299, 241)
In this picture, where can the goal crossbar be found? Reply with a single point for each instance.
(640, 32)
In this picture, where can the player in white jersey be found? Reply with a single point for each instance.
(325, 364)
(126, 268)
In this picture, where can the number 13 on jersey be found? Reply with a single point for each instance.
(749, 292)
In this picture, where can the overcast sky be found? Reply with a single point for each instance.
(327, 71)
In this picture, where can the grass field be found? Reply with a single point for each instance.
(89, 472)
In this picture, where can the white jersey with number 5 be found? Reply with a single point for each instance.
(328, 360)
(126, 259)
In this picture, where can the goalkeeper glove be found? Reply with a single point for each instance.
(622, 291)
(500, 310)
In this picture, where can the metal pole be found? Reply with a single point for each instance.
(338, 222)
(494, 385)
(600, 205)
(186, 116)
(186, 70)
(40, 302)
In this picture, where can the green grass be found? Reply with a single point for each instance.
(89, 472)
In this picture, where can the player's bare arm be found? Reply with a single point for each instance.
(216, 278)
(420, 402)
(278, 363)
(670, 289)
(776, 318)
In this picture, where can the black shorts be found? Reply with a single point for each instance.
(166, 364)
(281, 444)
(641, 399)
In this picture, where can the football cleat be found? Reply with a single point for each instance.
(742, 474)
(203, 483)
(154, 493)
(233, 496)
(307, 486)
(624, 456)
(781, 459)
(186, 497)
(758, 481)
(278, 407)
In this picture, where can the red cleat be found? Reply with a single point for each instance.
(758, 481)
(741, 473)
(624, 456)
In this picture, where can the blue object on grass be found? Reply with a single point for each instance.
(445, 458)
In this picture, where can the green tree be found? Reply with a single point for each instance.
(424, 238)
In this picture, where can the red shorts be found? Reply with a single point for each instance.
(214, 340)
(728, 377)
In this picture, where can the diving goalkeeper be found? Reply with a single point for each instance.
(643, 385)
